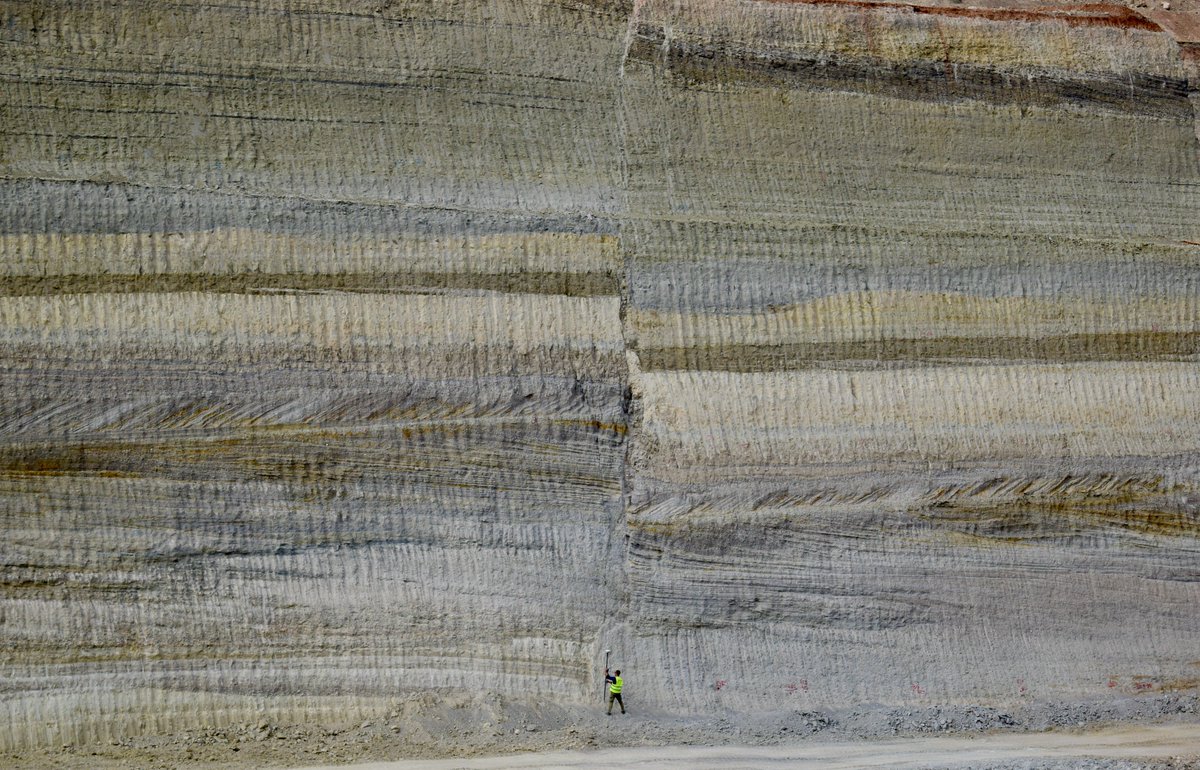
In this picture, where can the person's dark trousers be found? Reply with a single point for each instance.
(615, 696)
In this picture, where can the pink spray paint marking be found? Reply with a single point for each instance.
(720, 683)
(918, 689)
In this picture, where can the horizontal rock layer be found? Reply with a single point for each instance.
(801, 354)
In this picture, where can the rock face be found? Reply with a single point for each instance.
(803, 354)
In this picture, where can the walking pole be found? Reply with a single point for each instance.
(605, 687)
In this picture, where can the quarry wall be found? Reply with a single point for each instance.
(802, 354)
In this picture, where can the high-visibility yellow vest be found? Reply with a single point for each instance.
(615, 687)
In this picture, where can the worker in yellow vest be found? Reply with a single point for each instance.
(615, 683)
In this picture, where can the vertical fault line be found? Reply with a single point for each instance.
(618, 604)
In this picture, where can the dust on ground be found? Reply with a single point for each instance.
(430, 725)
(1160, 747)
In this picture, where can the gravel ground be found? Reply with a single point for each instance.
(427, 726)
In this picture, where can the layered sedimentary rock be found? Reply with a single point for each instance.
(802, 354)
(915, 314)
(314, 382)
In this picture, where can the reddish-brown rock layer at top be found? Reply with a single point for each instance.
(1180, 19)
(1178, 14)
(1085, 15)
(1090, 56)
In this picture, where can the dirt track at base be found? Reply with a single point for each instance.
(1176, 742)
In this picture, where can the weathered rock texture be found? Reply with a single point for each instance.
(803, 354)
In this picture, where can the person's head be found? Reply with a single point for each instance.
(618, 672)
